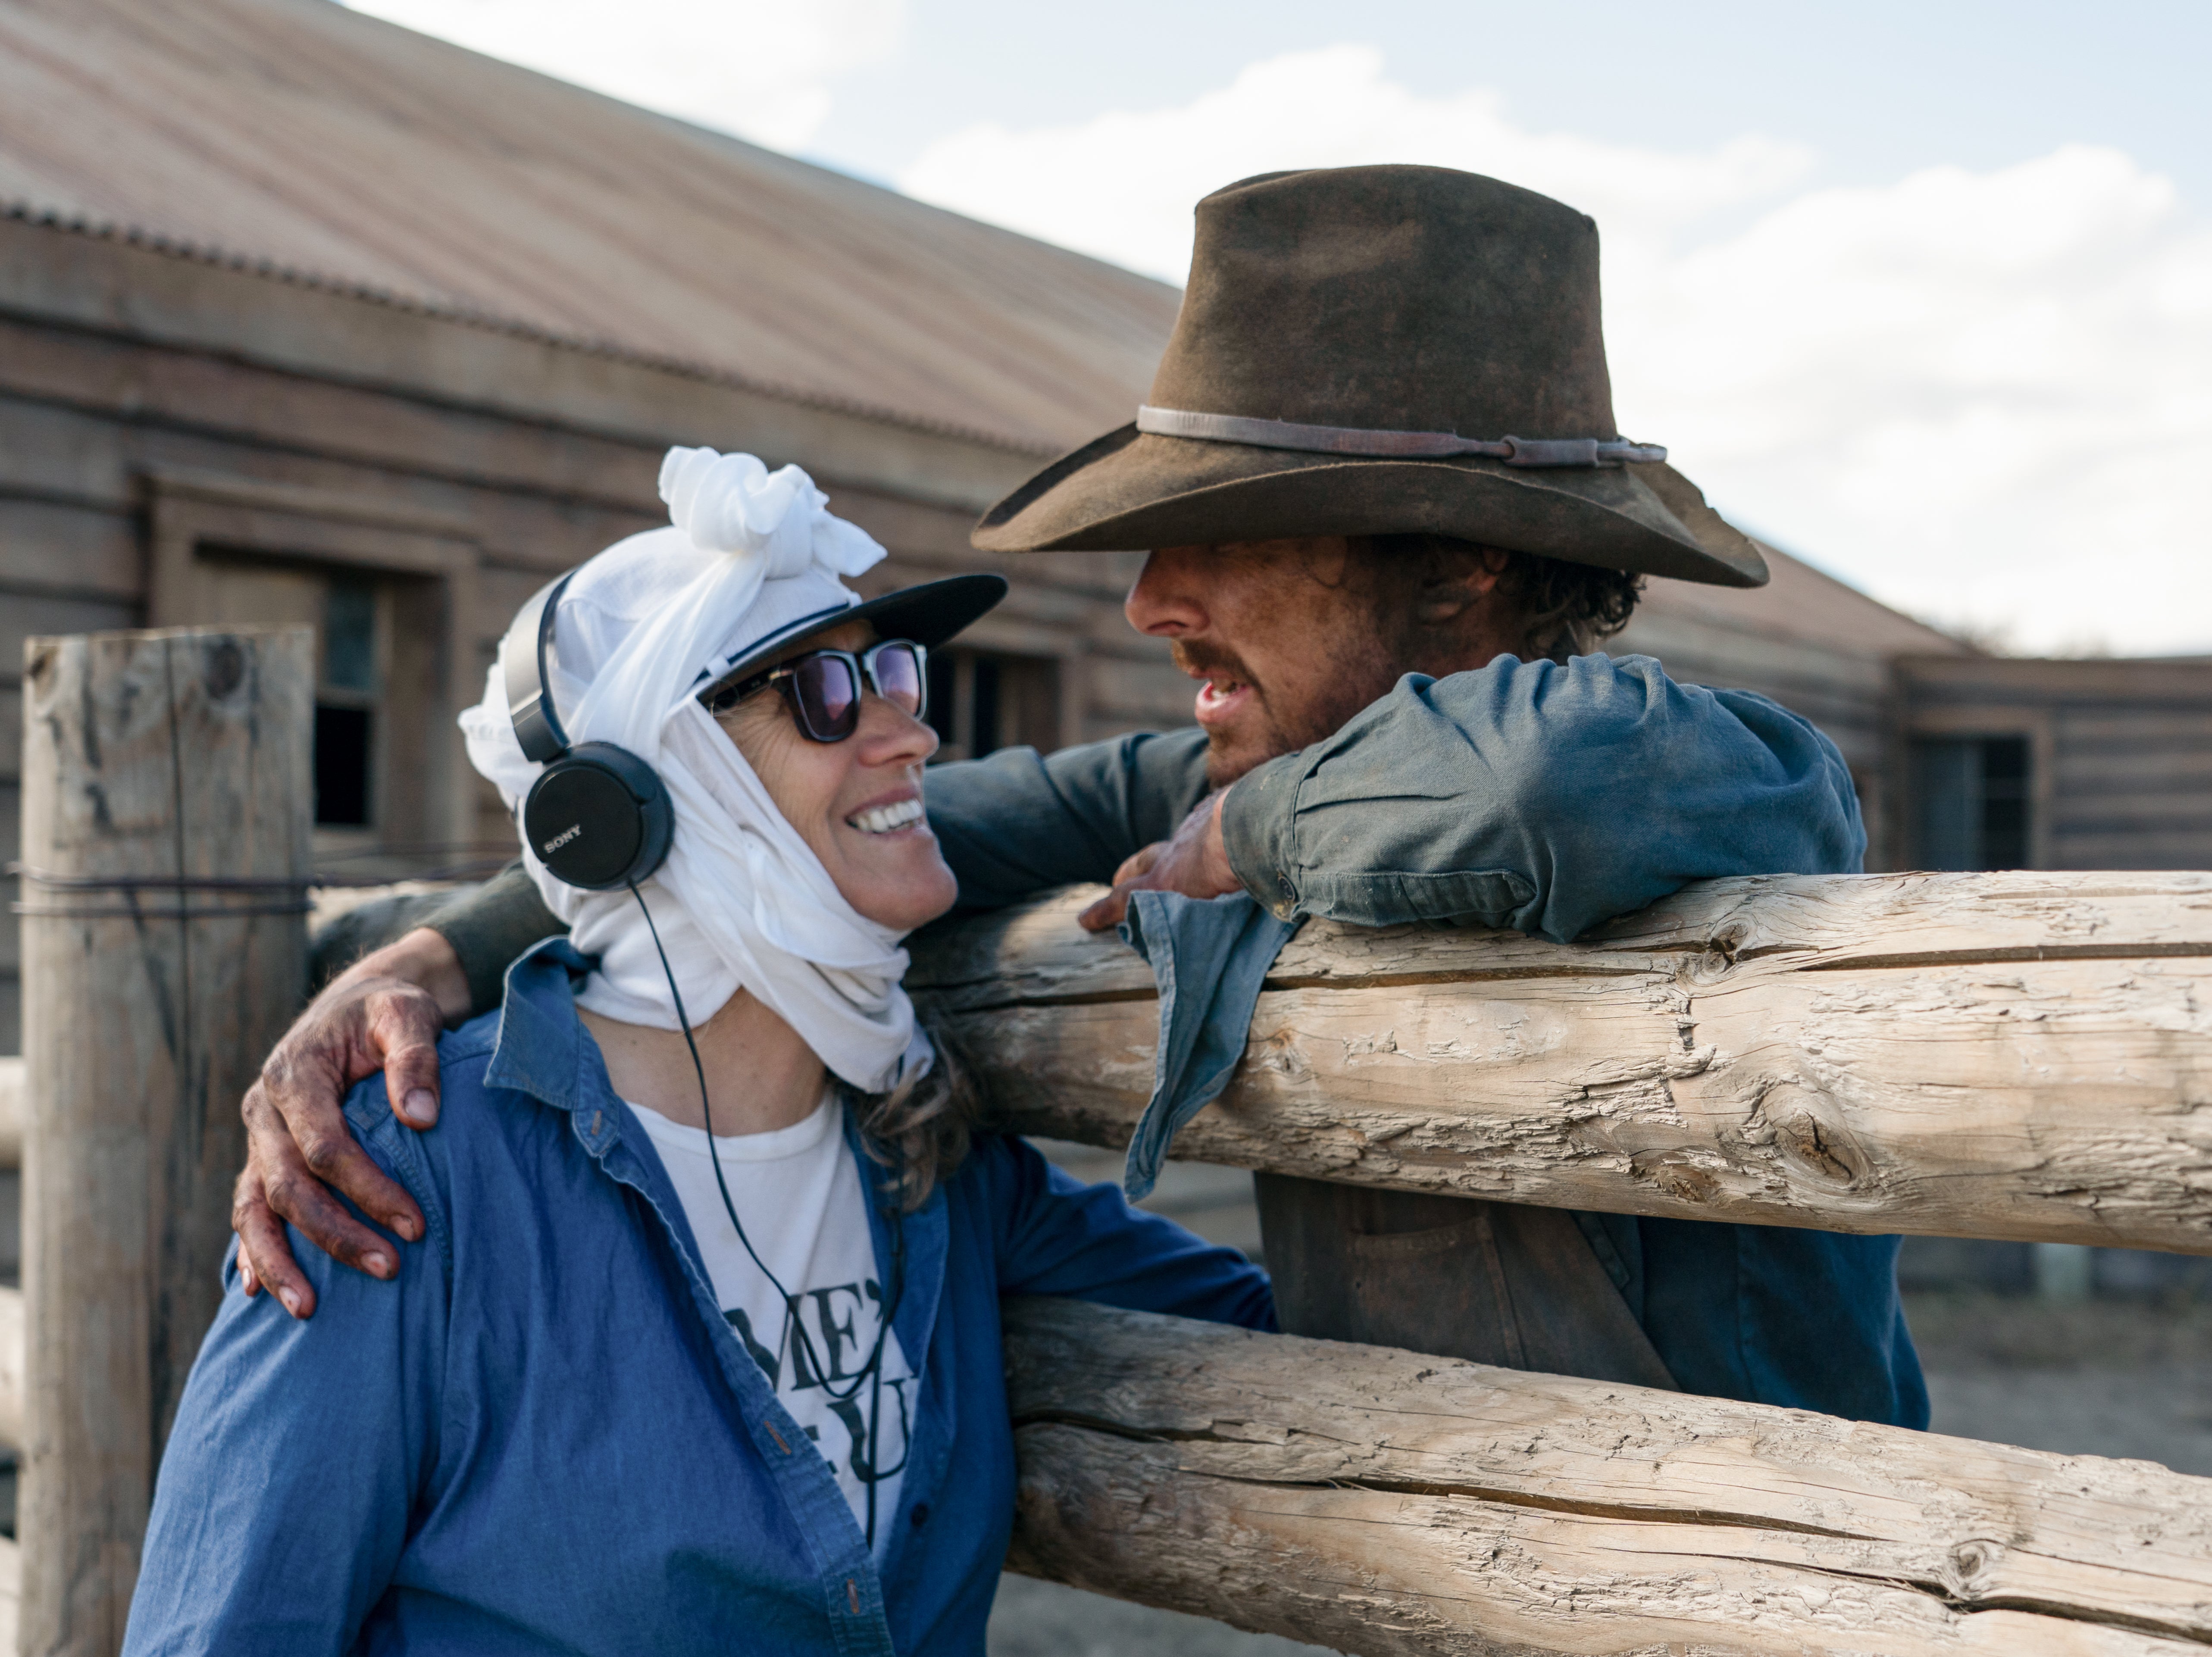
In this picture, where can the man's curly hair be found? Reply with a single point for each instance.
(1567, 609)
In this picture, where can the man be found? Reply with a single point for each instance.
(1392, 516)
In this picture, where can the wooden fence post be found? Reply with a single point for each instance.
(166, 808)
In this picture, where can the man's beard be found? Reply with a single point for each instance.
(1278, 731)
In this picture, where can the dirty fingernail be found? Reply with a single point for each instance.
(406, 1226)
(419, 1107)
(379, 1264)
(291, 1299)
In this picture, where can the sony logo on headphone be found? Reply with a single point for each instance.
(562, 838)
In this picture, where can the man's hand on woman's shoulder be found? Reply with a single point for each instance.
(384, 1013)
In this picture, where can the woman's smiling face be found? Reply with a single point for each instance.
(856, 802)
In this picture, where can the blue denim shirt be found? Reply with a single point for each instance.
(543, 1437)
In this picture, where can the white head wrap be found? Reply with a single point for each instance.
(742, 901)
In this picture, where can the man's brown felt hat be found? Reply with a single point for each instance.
(1391, 298)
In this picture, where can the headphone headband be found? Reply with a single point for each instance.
(523, 660)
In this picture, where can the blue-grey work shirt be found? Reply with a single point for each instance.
(543, 1437)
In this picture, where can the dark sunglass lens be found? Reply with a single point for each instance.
(898, 677)
(829, 699)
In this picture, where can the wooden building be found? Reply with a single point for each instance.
(307, 318)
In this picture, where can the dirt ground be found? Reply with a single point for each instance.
(2112, 1378)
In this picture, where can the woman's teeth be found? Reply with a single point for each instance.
(883, 819)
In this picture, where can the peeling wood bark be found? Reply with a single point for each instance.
(1381, 1502)
(2023, 1056)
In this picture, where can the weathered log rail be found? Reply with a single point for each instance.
(2019, 1056)
(1391, 1504)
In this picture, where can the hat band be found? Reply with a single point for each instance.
(1368, 441)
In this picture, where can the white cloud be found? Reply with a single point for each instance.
(1988, 397)
(759, 69)
(1985, 397)
(1122, 186)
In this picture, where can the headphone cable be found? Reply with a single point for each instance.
(871, 1374)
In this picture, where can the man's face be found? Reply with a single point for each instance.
(1288, 636)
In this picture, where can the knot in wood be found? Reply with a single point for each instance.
(1970, 1565)
(1807, 1136)
(223, 669)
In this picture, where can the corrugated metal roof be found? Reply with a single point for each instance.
(350, 151)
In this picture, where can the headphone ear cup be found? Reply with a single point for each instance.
(599, 818)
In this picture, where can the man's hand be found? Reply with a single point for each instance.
(1193, 861)
(384, 1012)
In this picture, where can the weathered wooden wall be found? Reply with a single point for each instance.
(2015, 1056)
(2120, 752)
(1387, 1503)
(150, 402)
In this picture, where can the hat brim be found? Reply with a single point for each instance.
(1131, 489)
(930, 613)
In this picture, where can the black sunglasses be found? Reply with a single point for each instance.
(822, 687)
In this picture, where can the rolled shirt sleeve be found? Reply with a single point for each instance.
(491, 927)
(1540, 796)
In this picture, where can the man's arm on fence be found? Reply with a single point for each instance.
(1541, 797)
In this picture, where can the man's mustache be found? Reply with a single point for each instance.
(1210, 661)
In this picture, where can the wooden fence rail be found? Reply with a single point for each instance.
(2019, 1056)
(1395, 1505)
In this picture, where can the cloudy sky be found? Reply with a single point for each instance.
(1922, 294)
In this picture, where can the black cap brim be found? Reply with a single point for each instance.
(930, 613)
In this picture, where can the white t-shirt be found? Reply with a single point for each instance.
(797, 1190)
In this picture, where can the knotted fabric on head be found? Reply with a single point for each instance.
(742, 902)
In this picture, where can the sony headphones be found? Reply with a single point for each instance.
(598, 817)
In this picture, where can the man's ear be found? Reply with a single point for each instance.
(1456, 584)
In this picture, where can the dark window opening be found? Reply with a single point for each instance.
(342, 766)
(346, 699)
(980, 702)
(1973, 795)
(349, 635)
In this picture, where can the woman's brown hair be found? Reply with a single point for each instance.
(920, 1129)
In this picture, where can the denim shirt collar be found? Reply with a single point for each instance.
(540, 1047)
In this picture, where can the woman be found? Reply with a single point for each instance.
(645, 1386)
